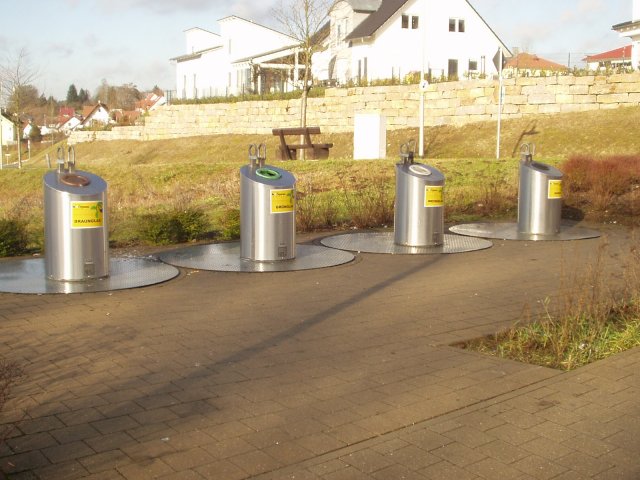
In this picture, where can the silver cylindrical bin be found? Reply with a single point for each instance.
(539, 196)
(75, 224)
(419, 205)
(267, 210)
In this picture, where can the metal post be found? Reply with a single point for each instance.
(499, 105)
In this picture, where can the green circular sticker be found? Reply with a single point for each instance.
(268, 174)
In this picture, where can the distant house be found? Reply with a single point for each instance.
(95, 115)
(528, 64)
(7, 130)
(617, 58)
(384, 39)
(229, 64)
(69, 125)
(631, 30)
(150, 102)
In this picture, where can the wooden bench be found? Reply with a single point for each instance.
(289, 151)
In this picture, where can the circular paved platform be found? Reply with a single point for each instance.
(509, 231)
(225, 257)
(28, 276)
(383, 242)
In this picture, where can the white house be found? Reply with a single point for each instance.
(7, 130)
(69, 125)
(392, 38)
(631, 30)
(98, 114)
(616, 58)
(234, 61)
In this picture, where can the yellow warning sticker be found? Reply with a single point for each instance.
(282, 200)
(87, 215)
(433, 196)
(555, 189)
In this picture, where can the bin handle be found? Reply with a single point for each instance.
(60, 159)
(71, 159)
(527, 150)
(257, 154)
(407, 151)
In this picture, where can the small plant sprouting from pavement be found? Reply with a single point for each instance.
(588, 322)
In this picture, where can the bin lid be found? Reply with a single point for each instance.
(269, 175)
(77, 183)
(425, 173)
(544, 169)
(419, 169)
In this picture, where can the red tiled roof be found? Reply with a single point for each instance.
(528, 61)
(616, 54)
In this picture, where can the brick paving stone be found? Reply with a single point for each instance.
(62, 471)
(446, 471)
(67, 452)
(255, 462)
(104, 461)
(278, 389)
(221, 470)
(539, 467)
(490, 468)
(584, 464)
(367, 461)
(145, 469)
(74, 433)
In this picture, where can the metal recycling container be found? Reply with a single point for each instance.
(75, 225)
(539, 197)
(267, 211)
(419, 205)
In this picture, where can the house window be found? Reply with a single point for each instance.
(415, 20)
(473, 65)
(457, 25)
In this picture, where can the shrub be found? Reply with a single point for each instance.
(605, 185)
(231, 224)
(175, 226)
(13, 237)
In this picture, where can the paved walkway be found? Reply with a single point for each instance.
(339, 373)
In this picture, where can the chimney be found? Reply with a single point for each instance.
(636, 10)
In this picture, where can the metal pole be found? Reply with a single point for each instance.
(499, 106)
(423, 27)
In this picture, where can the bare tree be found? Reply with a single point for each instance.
(16, 74)
(303, 20)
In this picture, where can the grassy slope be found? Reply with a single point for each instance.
(145, 177)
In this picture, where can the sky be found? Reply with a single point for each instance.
(86, 42)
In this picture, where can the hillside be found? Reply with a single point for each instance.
(195, 179)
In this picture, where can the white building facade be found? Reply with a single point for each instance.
(401, 37)
(7, 130)
(631, 30)
(223, 64)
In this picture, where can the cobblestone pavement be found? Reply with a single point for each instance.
(338, 373)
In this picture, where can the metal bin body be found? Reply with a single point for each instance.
(267, 213)
(419, 207)
(539, 199)
(75, 226)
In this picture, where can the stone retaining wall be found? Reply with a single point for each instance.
(451, 103)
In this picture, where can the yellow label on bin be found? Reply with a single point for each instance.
(282, 200)
(86, 215)
(433, 196)
(555, 189)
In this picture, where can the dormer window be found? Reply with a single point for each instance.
(412, 20)
(456, 25)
